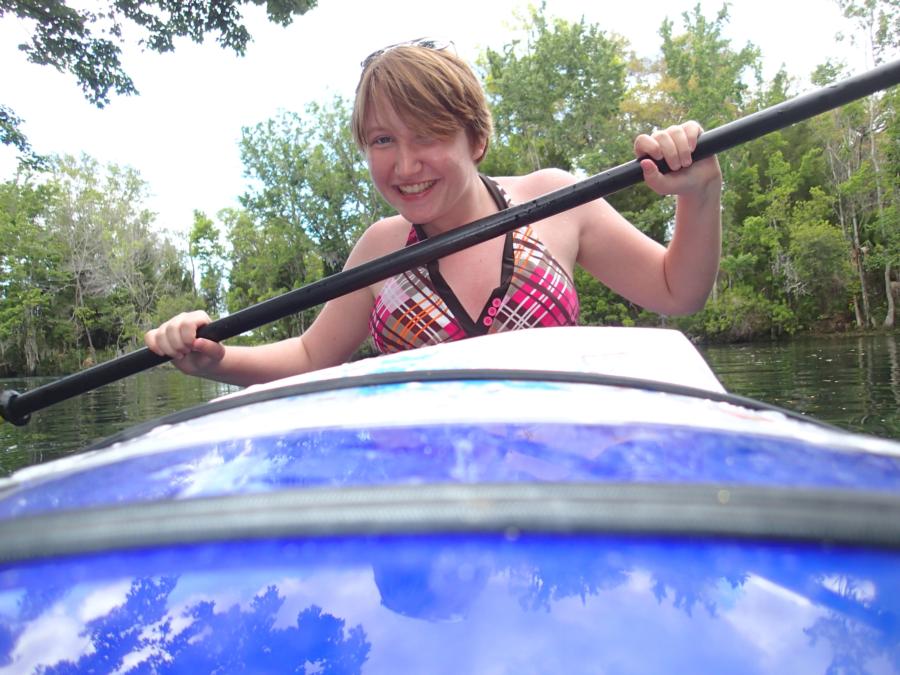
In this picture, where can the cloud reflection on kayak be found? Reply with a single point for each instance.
(454, 604)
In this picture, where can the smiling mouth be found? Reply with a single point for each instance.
(415, 188)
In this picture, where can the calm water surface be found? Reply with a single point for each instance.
(852, 382)
(71, 425)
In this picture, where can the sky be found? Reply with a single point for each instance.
(182, 132)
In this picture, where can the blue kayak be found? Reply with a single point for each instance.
(572, 500)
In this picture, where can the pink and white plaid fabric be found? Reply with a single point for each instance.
(418, 308)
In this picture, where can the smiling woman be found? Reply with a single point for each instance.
(423, 123)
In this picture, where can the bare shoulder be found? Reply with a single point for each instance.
(380, 238)
(559, 233)
(529, 186)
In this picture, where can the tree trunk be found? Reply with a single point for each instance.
(857, 255)
(889, 292)
(879, 197)
(79, 320)
(30, 343)
(857, 313)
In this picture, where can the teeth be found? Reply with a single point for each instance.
(415, 188)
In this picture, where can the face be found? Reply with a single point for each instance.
(428, 180)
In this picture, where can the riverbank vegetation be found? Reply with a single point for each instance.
(811, 214)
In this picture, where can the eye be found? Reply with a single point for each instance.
(381, 140)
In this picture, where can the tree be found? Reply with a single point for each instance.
(206, 254)
(891, 145)
(110, 255)
(840, 136)
(555, 97)
(80, 269)
(309, 175)
(819, 269)
(704, 76)
(11, 135)
(88, 43)
(33, 317)
(266, 260)
(309, 199)
(878, 22)
(139, 635)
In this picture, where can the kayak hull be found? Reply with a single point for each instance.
(429, 513)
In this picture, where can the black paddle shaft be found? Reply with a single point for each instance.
(17, 408)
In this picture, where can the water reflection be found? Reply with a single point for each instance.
(852, 382)
(436, 604)
(72, 425)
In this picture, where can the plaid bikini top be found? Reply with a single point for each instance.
(418, 308)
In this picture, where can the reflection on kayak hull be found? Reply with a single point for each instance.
(513, 603)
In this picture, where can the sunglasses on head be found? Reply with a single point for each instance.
(426, 43)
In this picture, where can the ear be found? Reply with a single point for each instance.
(479, 147)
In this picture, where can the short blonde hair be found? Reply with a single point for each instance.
(433, 91)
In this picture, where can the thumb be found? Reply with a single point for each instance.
(653, 177)
(209, 348)
(649, 168)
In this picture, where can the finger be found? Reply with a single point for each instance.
(692, 130)
(669, 141)
(187, 334)
(150, 342)
(170, 338)
(161, 342)
(646, 146)
(651, 171)
(682, 142)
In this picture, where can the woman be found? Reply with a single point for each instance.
(422, 121)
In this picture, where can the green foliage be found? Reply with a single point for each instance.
(737, 314)
(599, 305)
(88, 43)
(310, 181)
(31, 280)
(81, 273)
(555, 97)
(703, 76)
(206, 252)
(820, 270)
(309, 200)
(11, 135)
(267, 260)
(879, 20)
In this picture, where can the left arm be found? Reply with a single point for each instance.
(691, 261)
(669, 280)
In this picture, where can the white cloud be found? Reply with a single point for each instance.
(53, 637)
(104, 600)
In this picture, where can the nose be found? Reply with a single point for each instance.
(407, 161)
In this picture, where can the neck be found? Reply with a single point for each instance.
(474, 203)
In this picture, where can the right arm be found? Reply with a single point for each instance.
(337, 332)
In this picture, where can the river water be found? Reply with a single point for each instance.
(852, 382)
